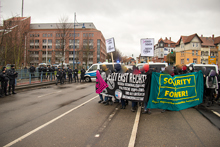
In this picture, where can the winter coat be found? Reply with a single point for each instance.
(82, 73)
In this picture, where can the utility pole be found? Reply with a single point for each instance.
(22, 9)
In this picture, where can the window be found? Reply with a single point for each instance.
(31, 41)
(31, 35)
(44, 41)
(50, 41)
(202, 53)
(57, 35)
(93, 68)
(37, 41)
(194, 60)
(193, 44)
(168, 45)
(36, 46)
(31, 46)
(161, 44)
(57, 46)
(91, 35)
(182, 61)
(44, 35)
(196, 52)
(37, 35)
(197, 44)
(193, 53)
(57, 41)
(49, 35)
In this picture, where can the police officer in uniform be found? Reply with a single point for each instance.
(12, 74)
(4, 81)
(70, 74)
(76, 74)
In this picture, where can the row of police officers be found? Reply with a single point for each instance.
(7, 77)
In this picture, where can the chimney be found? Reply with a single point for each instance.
(201, 35)
(213, 36)
(170, 38)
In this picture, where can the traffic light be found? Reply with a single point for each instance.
(171, 51)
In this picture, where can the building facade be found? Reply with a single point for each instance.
(162, 49)
(54, 43)
(195, 49)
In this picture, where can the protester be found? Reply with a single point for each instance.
(82, 74)
(12, 74)
(64, 75)
(212, 85)
(146, 70)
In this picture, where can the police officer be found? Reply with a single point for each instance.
(12, 74)
(82, 74)
(76, 74)
(4, 81)
(70, 74)
(52, 71)
(32, 70)
(59, 76)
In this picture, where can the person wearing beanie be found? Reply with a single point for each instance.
(12, 74)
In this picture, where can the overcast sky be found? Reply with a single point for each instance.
(127, 20)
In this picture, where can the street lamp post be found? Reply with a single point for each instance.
(74, 41)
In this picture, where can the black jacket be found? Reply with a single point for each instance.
(69, 71)
(59, 74)
(83, 73)
(75, 71)
(32, 69)
(12, 74)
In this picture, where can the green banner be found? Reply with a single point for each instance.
(176, 93)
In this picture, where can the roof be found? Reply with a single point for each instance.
(187, 39)
(216, 40)
(59, 25)
(166, 41)
(207, 41)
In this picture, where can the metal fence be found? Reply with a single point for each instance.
(25, 77)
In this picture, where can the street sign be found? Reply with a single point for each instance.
(211, 60)
(110, 45)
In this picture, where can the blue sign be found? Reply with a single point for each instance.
(187, 59)
(49, 60)
(212, 56)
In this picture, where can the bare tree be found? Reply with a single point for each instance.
(88, 48)
(12, 41)
(64, 29)
(117, 55)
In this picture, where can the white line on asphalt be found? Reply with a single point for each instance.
(216, 113)
(135, 128)
(46, 124)
(49, 94)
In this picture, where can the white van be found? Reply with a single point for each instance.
(157, 65)
(91, 72)
(208, 67)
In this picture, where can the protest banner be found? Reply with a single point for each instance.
(125, 85)
(176, 93)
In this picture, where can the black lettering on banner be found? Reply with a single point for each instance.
(132, 86)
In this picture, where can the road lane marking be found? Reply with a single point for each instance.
(46, 124)
(216, 113)
(48, 94)
(135, 128)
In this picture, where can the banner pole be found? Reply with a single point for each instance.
(112, 61)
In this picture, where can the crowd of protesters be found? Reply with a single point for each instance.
(211, 83)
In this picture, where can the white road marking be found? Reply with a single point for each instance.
(46, 124)
(49, 94)
(216, 113)
(135, 128)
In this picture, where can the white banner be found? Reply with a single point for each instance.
(147, 47)
(110, 45)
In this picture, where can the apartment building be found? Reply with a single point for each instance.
(162, 49)
(195, 49)
(54, 42)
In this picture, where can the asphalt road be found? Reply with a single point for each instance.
(69, 115)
